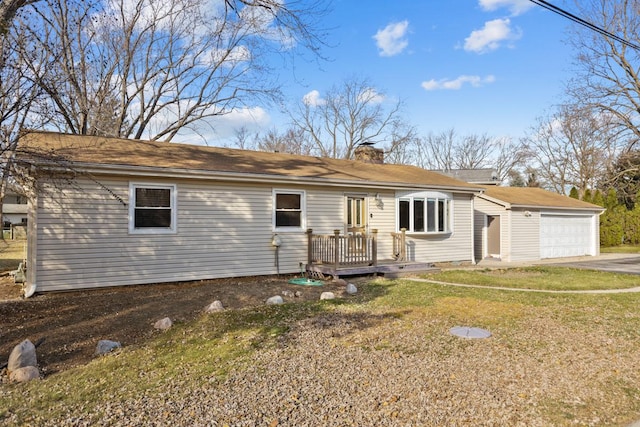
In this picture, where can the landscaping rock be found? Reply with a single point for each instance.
(351, 289)
(106, 346)
(327, 295)
(213, 307)
(274, 300)
(163, 324)
(22, 355)
(288, 294)
(24, 374)
(298, 294)
(340, 282)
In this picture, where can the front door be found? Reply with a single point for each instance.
(493, 236)
(356, 222)
(356, 215)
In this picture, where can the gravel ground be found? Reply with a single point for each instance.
(401, 369)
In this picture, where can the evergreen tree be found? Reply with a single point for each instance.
(597, 198)
(611, 201)
(574, 193)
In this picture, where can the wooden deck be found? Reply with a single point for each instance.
(349, 255)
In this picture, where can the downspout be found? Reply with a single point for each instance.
(30, 286)
(597, 226)
(473, 229)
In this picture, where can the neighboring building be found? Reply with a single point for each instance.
(524, 224)
(482, 176)
(14, 210)
(118, 212)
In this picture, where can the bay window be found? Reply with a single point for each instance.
(425, 212)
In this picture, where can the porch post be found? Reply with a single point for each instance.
(374, 246)
(336, 252)
(403, 244)
(309, 246)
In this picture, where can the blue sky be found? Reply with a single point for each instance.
(477, 66)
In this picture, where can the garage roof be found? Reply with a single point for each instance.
(531, 197)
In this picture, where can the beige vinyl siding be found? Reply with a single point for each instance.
(223, 230)
(82, 237)
(325, 210)
(455, 246)
(382, 217)
(482, 209)
(525, 235)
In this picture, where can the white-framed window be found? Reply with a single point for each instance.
(152, 208)
(289, 210)
(425, 212)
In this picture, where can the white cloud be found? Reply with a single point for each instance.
(391, 40)
(313, 99)
(456, 84)
(370, 96)
(491, 36)
(221, 130)
(516, 7)
(228, 58)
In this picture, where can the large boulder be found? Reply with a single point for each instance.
(106, 346)
(24, 374)
(22, 355)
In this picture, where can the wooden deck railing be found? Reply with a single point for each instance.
(343, 250)
(399, 245)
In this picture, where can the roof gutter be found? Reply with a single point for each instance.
(174, 173)
(510, 206)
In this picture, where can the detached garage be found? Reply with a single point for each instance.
(527, 224)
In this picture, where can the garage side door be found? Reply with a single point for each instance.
(566, 235)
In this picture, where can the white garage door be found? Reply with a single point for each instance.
(566, 235)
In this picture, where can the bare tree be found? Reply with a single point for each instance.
(624, 177)
(150, 69)
(351, 113)
(573, 147)
(244, 140)
(447, 151)
(507, 157)
(292, 141)
(8, 11)
(473, 151)
(437, 152)
(607, 78)
(16, 93)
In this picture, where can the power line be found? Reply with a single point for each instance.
(580, 21)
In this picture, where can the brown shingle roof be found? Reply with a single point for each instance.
(89, 151)
(535, 197)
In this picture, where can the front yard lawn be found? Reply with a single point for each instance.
(383, 357)
(543, 278)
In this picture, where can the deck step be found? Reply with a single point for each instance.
(392, 271)
(388, 269)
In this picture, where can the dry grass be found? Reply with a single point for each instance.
(552, 360)
(12, 252)
(541, 277)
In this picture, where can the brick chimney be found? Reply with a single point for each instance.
(369, 154)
